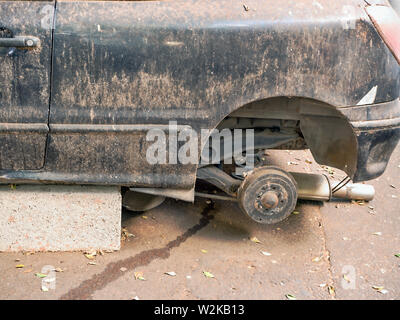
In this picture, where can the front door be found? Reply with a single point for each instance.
(25, 63)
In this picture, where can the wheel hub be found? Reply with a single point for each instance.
(269, 200)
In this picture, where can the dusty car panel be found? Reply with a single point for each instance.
(151, 61)
(121, 68)
(196, 62)
(24, 85)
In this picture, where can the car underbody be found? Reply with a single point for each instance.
(80, 91)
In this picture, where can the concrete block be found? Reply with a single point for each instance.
(59, 218)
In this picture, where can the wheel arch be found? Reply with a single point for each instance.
(326, 130)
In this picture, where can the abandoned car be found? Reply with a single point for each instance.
(82, 83)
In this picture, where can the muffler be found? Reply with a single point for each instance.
(318, 187)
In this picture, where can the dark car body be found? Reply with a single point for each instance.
(77, 109)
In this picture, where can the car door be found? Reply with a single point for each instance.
(113, 81)
(25, 62)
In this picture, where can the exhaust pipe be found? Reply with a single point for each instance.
(318, 187)
(356, 191)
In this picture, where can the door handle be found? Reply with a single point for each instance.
(20, 42)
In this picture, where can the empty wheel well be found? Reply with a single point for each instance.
(316, 125)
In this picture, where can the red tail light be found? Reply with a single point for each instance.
(387, 22)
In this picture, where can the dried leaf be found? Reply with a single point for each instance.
(331, 290)
(144, 217)
(19, 266)
(58, 269)
(90, 254)
(296, 212)
(204, 251)
(139, 276)
(208, 274)
(290, 296)
(92, 263)
(345, 277)
(171, 273)
(255, 240)
(378, 288)
(316, 259)
(40, 275)
(328, 169)
(125, 234)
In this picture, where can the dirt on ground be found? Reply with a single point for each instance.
(211, 250)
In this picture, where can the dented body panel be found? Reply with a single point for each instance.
(121, 68)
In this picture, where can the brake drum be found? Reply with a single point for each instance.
(268, 194)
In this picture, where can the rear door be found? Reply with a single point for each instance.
(119, 71)
(25, 63)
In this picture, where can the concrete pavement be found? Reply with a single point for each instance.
(336, 250)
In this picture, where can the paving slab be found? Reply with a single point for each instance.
(59, 218)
